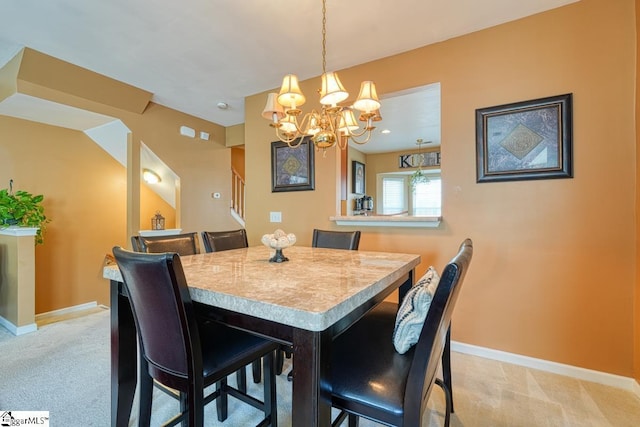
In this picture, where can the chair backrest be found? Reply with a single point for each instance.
(163, 313)
(336, 239)
(430, 345)
(215, 241)
(182, 244)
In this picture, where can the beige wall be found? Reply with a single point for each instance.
(388, 162)
(553, 275)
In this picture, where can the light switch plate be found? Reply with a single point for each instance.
(275, 216)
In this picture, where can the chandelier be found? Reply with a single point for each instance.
(419, 177)
(333, 124)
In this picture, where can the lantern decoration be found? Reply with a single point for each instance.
(157, 222)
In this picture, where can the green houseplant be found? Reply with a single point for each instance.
(23, 209)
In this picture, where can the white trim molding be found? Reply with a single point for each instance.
(388, 221)
(618, 381)
(18, 330)
(15, 230)
(67, 310)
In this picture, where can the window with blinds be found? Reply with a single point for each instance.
(426, 198)
(398, 197)
(394, 199)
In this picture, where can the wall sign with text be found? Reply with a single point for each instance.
(431, 158)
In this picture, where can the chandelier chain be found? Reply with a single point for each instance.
(324, 36)
(333, 124)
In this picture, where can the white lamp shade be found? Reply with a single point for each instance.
(272, 110)
(348, 121)
(290, 95)
(368, 98)
(332, 90)
(288, 124)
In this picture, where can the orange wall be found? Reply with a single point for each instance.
(150, 203)
(237, 160)
(636, 312)
(86, 191)
(553, 275)
(85, 198)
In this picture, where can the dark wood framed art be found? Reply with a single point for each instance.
(292, 169)
(525, 140)
(357, 177)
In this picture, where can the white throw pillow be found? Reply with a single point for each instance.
(413, 311)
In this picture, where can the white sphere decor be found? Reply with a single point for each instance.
(278, 241)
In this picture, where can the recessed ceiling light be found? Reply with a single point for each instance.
(385, 131)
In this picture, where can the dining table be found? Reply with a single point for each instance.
(305, 302)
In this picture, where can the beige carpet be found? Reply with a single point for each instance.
(64, 368)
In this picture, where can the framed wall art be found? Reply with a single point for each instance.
(525, 140)
(357, 177)
(292, 169)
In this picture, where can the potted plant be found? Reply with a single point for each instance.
(23, 209)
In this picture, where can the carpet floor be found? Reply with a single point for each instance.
(64, 368)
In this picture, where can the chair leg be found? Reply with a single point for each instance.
(269, 384)
(222, 400)
(241, 379)
(194, 402)
(448, 401)
(146, 395)
(184, 407)
(257, 371)
(354, 420)
(279, 361)
(446, 365)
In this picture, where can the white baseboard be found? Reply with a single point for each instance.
(618, 381)
(18, 330)
(66, 310)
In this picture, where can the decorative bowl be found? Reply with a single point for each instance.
(278, 241)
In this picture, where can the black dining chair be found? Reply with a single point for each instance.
(370, 379)
(336, 239)
(183, 244)
(215, 241)
(184, 352)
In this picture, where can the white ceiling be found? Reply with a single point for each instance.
(193, 55)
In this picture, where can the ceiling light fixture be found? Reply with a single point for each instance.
(150, 177)
(333, 124)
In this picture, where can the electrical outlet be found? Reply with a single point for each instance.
(275, 216)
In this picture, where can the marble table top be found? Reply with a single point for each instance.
(313, 290)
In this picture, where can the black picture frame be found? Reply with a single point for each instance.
(525, 140)
(292, 169)
(357, 177)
